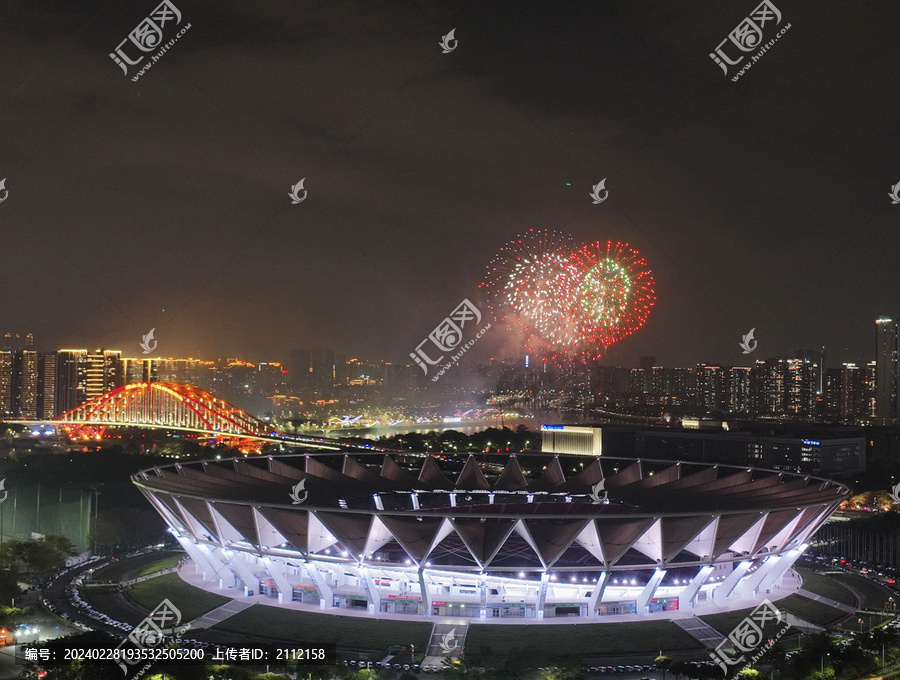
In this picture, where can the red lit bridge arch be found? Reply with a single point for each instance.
(175, 406)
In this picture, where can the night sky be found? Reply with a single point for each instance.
(164, 202)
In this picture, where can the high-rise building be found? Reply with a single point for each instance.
(817, 357)
(71, 379)
(737, 383)
(870, 391)
(82, 376)
(33, 385)
(103, 372)
(834, 389)
(784, 388)
(853, 394)
(711, 393)
(25, 381)
(887, 378)
(46, 401)
(6, 383)
(312, 370)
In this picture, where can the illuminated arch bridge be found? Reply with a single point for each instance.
(175, 406)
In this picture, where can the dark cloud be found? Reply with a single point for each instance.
(761, 202)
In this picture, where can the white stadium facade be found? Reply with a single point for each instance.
(525, 536)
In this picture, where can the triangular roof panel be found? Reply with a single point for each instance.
(269, 536)
(390, 470)
(431, 475)
(677, 532)
(353, 468)
(633, 473)
(588, 477)
(199, 510)
(774, 524)
(483, 538)
(293, 525)
(472, 478)
(350, 530)
(551, 537)
(589, 539)
(618, 535)
(730, 529)
(415, 535)
(552, 478)
(314, 467)
(650, 543)
(241, 518)
(512, 478)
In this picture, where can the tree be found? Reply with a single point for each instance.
(13, 554)
(679, 668)
(9, 586)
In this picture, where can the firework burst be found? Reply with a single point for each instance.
(612, 292)
(569, 300)
(526, 281)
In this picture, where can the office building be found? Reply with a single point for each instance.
(887, 378)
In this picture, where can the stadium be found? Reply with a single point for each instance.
(497, 537)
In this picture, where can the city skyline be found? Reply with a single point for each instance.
(745, 217)
(800, 386)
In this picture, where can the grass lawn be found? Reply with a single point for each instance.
(874, 595)
(166, 561)
(343, 631)
(108, 603)
(190, 601)
(581, 639)
(138, 566)
(826, 586)
(807, 609)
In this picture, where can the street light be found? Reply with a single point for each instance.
(860, 622)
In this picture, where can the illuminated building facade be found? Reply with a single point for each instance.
(517, 538)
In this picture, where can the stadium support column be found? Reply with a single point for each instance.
(748, 585)
(199, 552)
(597, 594)
(777, 571)
(542, 595)
(244, 571)
(643, 600)
(326, 594)
(426, 596)
(482, 589)
(729, 584)
(371, 590)
(277, 569)
(686, 598)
